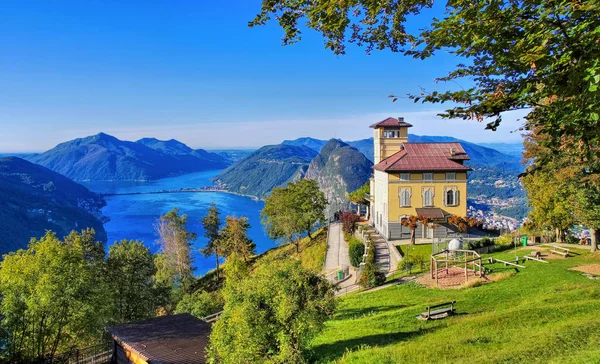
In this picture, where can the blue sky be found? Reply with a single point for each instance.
(194, 71)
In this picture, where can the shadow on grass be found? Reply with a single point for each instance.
(356, 313)
(337, 349)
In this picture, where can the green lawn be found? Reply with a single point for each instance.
(544, 313)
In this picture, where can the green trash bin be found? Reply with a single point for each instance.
(340, 274)
(524, 240)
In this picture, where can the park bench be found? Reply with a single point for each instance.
(439, 313)
(563, 251)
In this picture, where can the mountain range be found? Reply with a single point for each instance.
(267, 167)
(35, 199)
(103, 157)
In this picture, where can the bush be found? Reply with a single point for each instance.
(481, 243)
(356, 250)
(201, 303)
(371, 276)
(349, 221)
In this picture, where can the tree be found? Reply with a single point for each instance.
(540, 56)
(358, 197)
(294, 210)
(463, 223)
(562, 190)
(131, 270)
(54, 296)
(201, 303)
(234, 240)
(271, 315)
(412, 222)
(349, 221)
(174, 263)
(212, 223)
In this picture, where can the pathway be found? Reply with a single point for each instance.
(337, 249)
(386, 255)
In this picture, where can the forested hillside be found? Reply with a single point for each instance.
(268, 167)
(35, 199)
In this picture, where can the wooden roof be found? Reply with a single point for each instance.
(175, 339)
(432, 213)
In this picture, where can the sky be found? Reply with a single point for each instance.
(192, 70)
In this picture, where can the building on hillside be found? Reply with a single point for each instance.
(427, 179)
(175, 339)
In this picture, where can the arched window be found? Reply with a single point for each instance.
(450, 198)
(428, 198)
(404, 198)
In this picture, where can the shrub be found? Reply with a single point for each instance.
(349, 221)
(371, 276)
(356, 251)
(201, 303)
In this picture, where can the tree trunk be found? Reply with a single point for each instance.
(412, 236)
(594, 235)
(308, 233)
(217, 255)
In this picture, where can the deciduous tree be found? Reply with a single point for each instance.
(294, 210)
(234, 239)
(541, 56)
(271, 315)
(54, 296)
(174, 262)
(463, 223)
(131, 270)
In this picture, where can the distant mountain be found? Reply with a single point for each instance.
(514, 149)
(35, 199)
(268, 167)
(480, 155)
(339, 168)
(312, 143)
(105, 158)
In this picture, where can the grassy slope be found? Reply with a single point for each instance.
(544, 313)
(312, 255)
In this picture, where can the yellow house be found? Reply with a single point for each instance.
(427, 179)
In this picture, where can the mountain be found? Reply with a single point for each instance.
(339, 168)
(105, 158)
(312, 143)
(186, 154)
(268, 167)
(514, 149)
(35, 199)
(480, 155)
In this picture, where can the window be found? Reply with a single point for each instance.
(427, 198)
(391, 133)
(404, 176)
(404, 198)
(450, 176)
(451, 197)
(427, 176)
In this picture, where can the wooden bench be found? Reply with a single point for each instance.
(438, 314)
(537, 256)
(563, 251)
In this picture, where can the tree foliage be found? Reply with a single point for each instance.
(538, 55)
(349, 222)
(294, 210)
(412, 222)
(212, 223)
(356, 250)
(130, 270)
(271, 315)
(463, 223)
(201, 303)
(234, 240)
(54, 296)
(175, 260)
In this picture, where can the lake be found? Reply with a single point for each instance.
(133, 216)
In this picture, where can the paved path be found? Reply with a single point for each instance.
(337, 249)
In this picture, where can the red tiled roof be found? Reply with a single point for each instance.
(416, 157)
(391, 122)
(431, 212)
(179, 339)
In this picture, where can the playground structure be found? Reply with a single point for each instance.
(450, 262)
